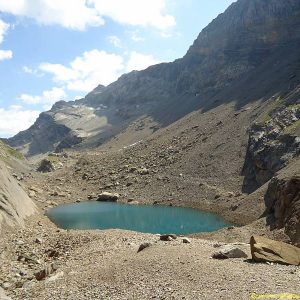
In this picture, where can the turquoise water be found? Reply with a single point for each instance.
(142, 218)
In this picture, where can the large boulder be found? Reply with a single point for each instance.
(266, 250)
(45, 166)
(108, 197)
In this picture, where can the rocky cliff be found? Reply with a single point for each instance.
(283, 206)
(247, 53)
(15, 205)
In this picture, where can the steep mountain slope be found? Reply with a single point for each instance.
(248, 53)
(15, 205)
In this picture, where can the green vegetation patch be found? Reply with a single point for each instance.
(292, 128)
(7, 151)
(54, 158)
(267, 115)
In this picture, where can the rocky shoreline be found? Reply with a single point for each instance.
(43, 262)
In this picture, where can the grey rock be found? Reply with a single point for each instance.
(45, 166)
(144, 246)
(168, 237)
(109, 197)
(41, 275)
(186, 240)
(143, 171)
(229, 251)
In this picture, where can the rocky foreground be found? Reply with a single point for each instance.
(43, 262)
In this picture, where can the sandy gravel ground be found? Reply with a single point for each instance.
(106, 265)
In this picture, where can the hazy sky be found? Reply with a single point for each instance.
(54, 50)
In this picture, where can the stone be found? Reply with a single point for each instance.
(168, 237)
(186, 240)
(229, 251)
(41, 275)
(144, 246)
(36, 189)
(143, 171)
(31, 194)
(110, 197)
(38, 240)
(267, 250)
(45, 166)
(55, 277)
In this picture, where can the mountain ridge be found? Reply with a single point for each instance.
(232, 46)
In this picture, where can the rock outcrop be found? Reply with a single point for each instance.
(272, 144)
(45, 166)
(283, 206)
(229, 251)
(15, 205)
(266, 250)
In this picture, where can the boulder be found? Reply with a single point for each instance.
(168, 237)
(143, 171)
(186, 240)
(144, 246)
(267, 250)
(229, 251)
(109, 197)
(45, 166)
(41, 275)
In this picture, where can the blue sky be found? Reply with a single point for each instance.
(54, 50)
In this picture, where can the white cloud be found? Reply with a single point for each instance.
(28, 70)
(136, 38)
(138, 61)
(136, 12)
(80, 14)
(60, 72)
(85, 72)
(3, 29)
(5, 54)
(92, 68)
(46, 99)
(115, 41)
(15, 119)
(32, 71)
(75, 14)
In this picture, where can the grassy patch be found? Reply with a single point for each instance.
(294, 106)
(267, 115)
(7, 151)
(54, 159)
(292, 128)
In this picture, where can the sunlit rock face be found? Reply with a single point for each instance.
(15, 205)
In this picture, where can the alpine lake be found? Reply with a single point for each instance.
(142, 218)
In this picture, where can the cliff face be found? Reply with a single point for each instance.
(247, 53)
(15, 205)
(283, 206)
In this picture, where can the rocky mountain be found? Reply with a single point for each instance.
(217, 130)
(249, 52)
